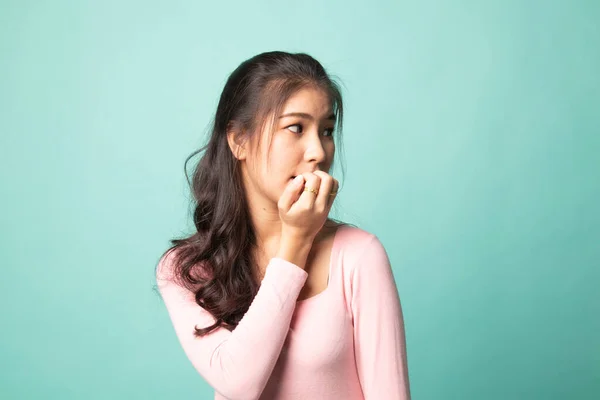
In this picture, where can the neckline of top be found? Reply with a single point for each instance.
(332, 260)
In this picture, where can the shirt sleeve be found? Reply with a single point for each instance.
(379, 337)
(238, 363)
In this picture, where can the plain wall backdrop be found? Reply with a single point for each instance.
(472, 149)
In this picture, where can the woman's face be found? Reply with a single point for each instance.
(302, 142)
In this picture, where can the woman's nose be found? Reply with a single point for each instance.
(315, 150)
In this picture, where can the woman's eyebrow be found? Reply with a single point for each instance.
(331, 117)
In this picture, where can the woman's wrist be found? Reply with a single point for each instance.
(294, 249)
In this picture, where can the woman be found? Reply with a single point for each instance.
(270, 298)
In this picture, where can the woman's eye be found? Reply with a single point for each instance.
(298, 125)
(330, 130)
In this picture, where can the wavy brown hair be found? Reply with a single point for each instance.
(215, 262)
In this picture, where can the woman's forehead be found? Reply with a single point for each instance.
(309, 100)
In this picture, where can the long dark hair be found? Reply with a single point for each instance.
(215, 262)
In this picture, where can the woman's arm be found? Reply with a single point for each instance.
(379, 337)
(236, 364)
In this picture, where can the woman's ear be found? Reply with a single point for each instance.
(237, 144)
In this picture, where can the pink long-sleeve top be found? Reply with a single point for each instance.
(347, 342)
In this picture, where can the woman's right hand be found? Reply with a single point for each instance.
(303, 213)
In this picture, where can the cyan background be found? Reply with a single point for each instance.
(472, 150)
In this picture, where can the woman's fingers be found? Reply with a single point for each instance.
(303, 211)
(291, 193)
(327, 184)
(308, 198)
(333, 193)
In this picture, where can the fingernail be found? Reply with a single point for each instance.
(297, 179)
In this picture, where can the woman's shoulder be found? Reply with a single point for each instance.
(359, 249)
(353, 235)
(353, 241)
(169, 265)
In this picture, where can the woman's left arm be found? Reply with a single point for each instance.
(379, 337)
